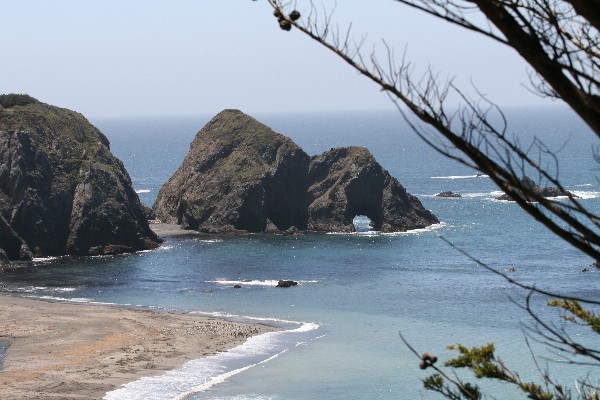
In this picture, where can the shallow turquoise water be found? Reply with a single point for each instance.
(361, 289)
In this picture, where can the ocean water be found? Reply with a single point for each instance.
(340, 327)
(3, 346)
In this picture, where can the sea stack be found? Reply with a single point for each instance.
(348, 181)
(240, 175)
(62, 192)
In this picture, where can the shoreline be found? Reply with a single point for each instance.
(171, 230)
(82, 351)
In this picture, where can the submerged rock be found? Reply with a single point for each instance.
(286, 284)
(448, 194)
(239, 175)
(61, 189)
(530, 185)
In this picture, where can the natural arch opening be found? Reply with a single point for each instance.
(362, 223)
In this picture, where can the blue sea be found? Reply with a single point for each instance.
(340, 328)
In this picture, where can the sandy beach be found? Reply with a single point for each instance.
(171, 230)
(81, 351)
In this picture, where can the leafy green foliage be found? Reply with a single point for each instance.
(484, 364)
(12, 100)
(578, 315)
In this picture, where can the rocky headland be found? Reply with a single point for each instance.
(240, 175)
(62, 192)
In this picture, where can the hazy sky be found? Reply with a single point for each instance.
(169, 57)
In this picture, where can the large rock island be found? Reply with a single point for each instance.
(239, 175)
(62, 192)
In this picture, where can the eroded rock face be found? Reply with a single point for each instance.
(346, 182)
(61, 189)
(12, 247)
(240, 175)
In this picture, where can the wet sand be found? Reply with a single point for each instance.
(81, 351)
(171, 230)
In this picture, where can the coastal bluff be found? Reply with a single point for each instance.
(62, 192)
(241, 176)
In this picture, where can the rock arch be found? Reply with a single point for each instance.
(240, 175)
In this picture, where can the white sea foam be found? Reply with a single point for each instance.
(43, 259)
(419, 231)
(460, 176)
(64, 289)
(582, 194)
(200, 375)
(245, 282)
(71, 300)
(265, 282)
(30, 289)
(430, 228)
(138, 191)
(586, 195)
(485, 195)
(78, 300)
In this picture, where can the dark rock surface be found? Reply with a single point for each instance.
(61, 189)
(241, 176)
(348, 181)
(149, 213)
(12, 247)
(286, 284)
(448, 194)
(238, 175)
(547, 191)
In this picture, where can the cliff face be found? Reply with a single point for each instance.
(346, 182)
(61, 189)
(240, 175)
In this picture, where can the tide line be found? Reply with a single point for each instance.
(202, 374)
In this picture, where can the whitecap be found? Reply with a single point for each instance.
(138, 191)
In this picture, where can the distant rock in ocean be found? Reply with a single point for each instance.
(61, 190)
(547, 191)
(448, 194)
(239, 175)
